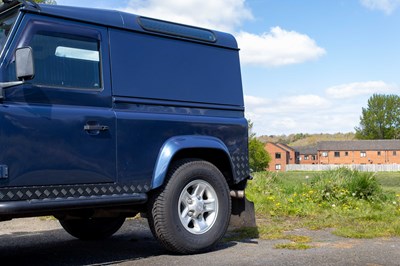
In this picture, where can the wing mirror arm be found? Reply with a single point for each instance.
(24, 67)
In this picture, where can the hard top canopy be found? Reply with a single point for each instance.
(114, 18)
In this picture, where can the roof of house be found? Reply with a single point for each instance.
(274, 144)
(306, 150)
(280, 147)
(359, 145)
(285, 147)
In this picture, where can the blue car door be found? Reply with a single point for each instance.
(59, 127)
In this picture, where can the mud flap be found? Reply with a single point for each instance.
(243, 214)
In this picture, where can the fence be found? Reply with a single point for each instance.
(359, 167)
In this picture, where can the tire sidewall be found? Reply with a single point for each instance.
(197, 170)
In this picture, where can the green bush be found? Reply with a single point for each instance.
(343, 183)
(258, 156)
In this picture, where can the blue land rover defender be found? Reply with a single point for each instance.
(105, 114)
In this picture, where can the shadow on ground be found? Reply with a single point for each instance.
(55, 247)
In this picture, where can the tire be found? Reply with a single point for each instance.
(191, 213)
(92, 228)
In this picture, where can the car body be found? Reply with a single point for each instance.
(100, 108)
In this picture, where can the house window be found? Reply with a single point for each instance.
(278, 167)
(305, 157)
(394, 153)
(325, 154)
(379, 153)
(337, 153)
(346, 153)
(278, 155)
(313, 157)
(363, 154)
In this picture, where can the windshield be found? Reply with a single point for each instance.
(7, 20)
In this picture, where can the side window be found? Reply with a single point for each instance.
(64, 60)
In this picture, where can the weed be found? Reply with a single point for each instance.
(353, 203)
(293, 246)
(298, 239)
(242, 233)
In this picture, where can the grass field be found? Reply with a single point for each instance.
(390, 181)
(354, 204)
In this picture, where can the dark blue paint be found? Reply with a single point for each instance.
(201, 73)
(42, 135)
(44, 145)
(175, 144)
(160, 95)
(141, 137)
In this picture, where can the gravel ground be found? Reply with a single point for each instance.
(36, 241)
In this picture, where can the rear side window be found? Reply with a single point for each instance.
(64, 60)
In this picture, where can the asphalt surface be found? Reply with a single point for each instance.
(35, 241)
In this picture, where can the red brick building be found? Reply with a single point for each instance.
(359, 152)
(291, 153)
(335, 152)
(307, 154)
(281, 155)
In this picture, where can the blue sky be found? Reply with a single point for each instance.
(307, 66)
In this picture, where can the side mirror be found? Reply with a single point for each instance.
(24, 68)
(24, 63)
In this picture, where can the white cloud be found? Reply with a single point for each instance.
(360, 88)
(223, 15)
(292, 114)
(285, 104)
(277, 48)
(338, 111)
(289, 123)
(255, 101)
(387, 6)
(306, 102)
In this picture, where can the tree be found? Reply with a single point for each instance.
(258, 156)
(381, 119)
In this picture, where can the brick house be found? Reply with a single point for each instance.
(307, 154)
(281, 155)
(335, 152)
(359, 152)
(291, 153)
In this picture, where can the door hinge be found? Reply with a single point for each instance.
(3, 171)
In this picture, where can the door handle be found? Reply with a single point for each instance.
(95, 128)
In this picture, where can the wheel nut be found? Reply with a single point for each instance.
(189, 201)
(190, 213)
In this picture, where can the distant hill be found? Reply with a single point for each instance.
(301, 139)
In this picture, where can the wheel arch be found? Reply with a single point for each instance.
(202, 147)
